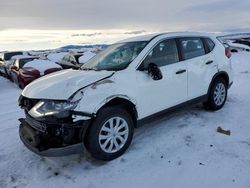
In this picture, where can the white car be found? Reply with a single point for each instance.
(124, 86)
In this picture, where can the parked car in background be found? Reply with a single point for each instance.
(56, 56)
(71, 61)
(20, 75)
(236, 47)
(5, 61)
(243, 41)
(76, 60)
(12, 61)
(26, 70)
(124, 86)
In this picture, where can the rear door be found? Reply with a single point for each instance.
(201, 65)
(157, 95)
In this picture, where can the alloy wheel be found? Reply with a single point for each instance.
(113, 134)
(219, 94)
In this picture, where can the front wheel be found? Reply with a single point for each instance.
(110, 134)
(217, 96)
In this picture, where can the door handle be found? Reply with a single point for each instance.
(181, 71)
(209, 62)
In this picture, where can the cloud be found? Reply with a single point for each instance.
(94, 21)
(130, 15)
(221, 6)
(86, 35)
(218, 15)
(91, 14)
(135, 32)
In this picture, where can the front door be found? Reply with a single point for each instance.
(157, 95)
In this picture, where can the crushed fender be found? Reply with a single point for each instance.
(107, 81)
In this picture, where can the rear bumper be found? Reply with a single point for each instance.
(33, 139)
(27, 80)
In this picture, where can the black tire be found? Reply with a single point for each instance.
(92, 136)
(211, 104)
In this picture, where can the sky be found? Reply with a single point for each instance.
(43, 24)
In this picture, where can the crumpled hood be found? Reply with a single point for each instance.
(61, 85)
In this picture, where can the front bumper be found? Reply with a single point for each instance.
(58, 141)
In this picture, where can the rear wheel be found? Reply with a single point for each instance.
(110, 134)
(217, 96)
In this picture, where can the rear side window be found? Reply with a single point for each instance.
(210, 44)
(192, 47)
(164, 53)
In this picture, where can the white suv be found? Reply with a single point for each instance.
(129, 83)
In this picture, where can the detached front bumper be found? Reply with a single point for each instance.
(52, 140)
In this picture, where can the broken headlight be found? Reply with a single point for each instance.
(47, 107)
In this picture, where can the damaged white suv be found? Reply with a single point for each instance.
(129, 83)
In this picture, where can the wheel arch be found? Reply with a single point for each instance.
(221, 74)
(122, 101)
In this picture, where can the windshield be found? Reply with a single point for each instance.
(116, 57)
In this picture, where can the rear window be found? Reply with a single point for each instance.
(192, 47)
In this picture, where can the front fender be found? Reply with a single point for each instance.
(97, 95)
(105, 101)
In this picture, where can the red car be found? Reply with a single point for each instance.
(22, 76)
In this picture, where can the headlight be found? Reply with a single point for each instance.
(46, 108)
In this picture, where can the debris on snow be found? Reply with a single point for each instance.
(226, 132)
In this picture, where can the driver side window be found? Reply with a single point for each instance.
(164, 53)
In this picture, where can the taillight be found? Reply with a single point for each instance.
(51, 70)
(29, 72)
(228, 52)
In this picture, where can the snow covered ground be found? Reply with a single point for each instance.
(182, 149)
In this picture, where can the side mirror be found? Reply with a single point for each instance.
(154, 71)
(14, 68)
